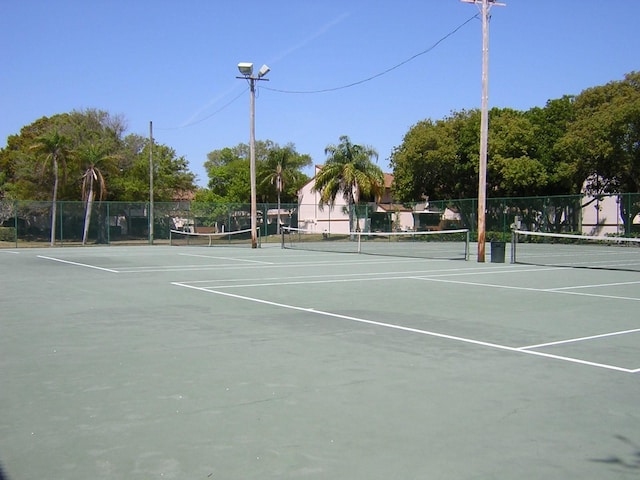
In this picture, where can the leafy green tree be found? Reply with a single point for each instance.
(550, 124)
(605, 135)
(603, 141)
(349, 171)
(53, 148)
(422, 164)
(513, 169)
(20, 179)
(230, 181)
(438, 159)
(128, 182)
(93, 126)
(171, 175)
(228, 170)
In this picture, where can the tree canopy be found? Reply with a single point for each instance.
(589, 141)
(228, 172)
(349, 171)
(126, 177)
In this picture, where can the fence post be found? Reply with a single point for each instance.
(60, 207)
(15, 221)
(629, 223)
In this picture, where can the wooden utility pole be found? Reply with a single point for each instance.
(485, 6)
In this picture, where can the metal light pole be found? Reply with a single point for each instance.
(485, 6)
(246, 69)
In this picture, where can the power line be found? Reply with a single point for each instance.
(333, 89)
(384, 72)
(195, 122)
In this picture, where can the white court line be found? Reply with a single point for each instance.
(529, 289)
(225, 258)
(394, 275)
(610, 297)
(407, 329)
(78, 264)
(339, 278)
(367, 277)
(595, 286)
(197, 268)
(311, 282)
(9, 251)
(572, 340)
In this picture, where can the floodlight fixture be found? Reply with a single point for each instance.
(246, 68)
(263, 71)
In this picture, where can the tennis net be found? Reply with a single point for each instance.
(234, 238)
(441, 244)
(579, 251)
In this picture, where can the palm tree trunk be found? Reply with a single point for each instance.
(278, 226)
(54, 203)
(351, 212)
(87, 213)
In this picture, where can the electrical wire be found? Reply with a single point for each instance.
(333, 89)
(195, 122)
(384, 72)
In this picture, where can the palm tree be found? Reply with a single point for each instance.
(93, 182)
(279, 163)
(350, 171)
(282, 167)
(56, 148)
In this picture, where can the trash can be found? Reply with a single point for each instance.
(497, 252)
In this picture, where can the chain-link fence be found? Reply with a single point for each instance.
(25, 223)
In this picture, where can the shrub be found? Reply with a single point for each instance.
(7, 234)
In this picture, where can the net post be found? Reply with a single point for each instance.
(514, 240)
(466, 246)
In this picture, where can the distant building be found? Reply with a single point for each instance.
(387, 215)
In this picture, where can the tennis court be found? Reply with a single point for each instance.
(231, 363)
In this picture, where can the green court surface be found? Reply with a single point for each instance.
(228, 363)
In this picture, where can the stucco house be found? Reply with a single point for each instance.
(385, 215)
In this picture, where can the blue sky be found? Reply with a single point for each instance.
(175, 63)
